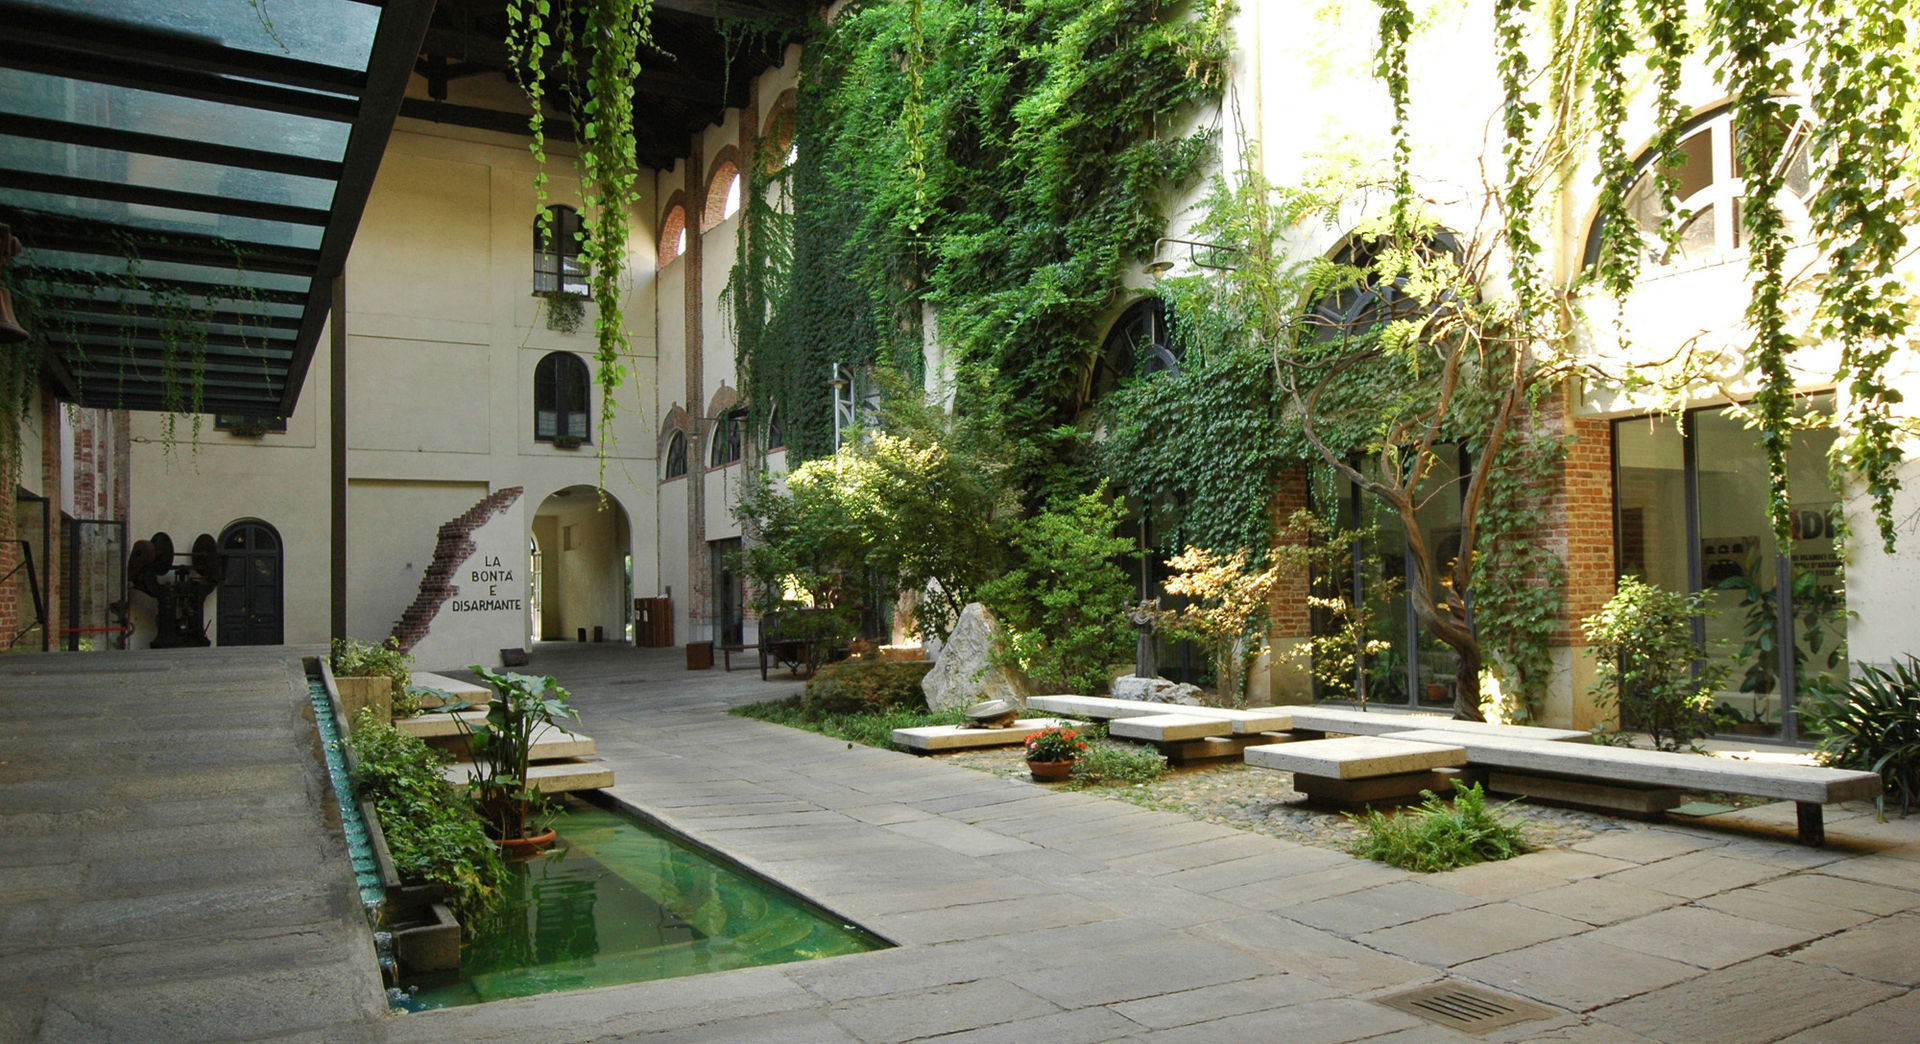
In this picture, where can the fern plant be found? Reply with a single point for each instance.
(1440, 836)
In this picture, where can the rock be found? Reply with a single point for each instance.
(964, 674)
(1158, 690)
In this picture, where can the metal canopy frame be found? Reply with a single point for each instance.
(226, 234)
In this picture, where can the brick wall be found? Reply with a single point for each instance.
(453, 546)
(1288, 614)
(1579, 517)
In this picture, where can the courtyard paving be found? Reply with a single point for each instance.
(1020, 913)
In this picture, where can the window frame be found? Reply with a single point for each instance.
(562, 370)
(728, 444)
(675, 459)
(556, 268)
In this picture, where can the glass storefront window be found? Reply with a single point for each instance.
(1691, 515)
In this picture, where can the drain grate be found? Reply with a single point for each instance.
(1468, 1009)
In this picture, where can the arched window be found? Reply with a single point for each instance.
(776, 435)
(1710, 194)
(1369, 302)
(677, 455)
(723, 194)
(560, 399)
(729, 438)
(556, 254)
(1139, 343)
(673, 235)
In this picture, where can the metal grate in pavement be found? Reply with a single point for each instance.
(1469, 1009)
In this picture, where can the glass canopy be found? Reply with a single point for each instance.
(186, 177)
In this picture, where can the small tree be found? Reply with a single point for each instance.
(1651, 670)
(1063, 601)
(1226, 611)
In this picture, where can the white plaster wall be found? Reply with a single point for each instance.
(392, 530)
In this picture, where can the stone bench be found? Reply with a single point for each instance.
(1384, 723)
(552, 777)
(463, 691)
(1245, 722)
(1808, 786)
(1360, 770)
(926, 739)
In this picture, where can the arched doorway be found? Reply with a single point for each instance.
(251, 601)
(580, 562)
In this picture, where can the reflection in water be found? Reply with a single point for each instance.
(620, 903)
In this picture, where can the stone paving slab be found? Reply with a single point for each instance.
(1021, 913)
(1763, 999)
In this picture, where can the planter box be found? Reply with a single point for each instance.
(356, 693)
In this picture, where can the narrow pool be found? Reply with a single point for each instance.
(618, 901)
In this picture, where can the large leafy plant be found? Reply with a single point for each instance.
(1649, 665)
(502, 747)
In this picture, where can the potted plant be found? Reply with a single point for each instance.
(1050, 754)
(566, 442)
(377, 675)
(502, 745)
(565, 310)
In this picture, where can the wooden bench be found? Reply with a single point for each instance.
(1808, 786)
(1360, 770)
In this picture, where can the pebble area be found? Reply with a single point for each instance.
(1233, 793)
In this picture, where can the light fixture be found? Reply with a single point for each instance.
(1219, 257)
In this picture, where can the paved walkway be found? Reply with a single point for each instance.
(1031, 914)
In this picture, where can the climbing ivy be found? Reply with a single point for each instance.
(1004, 164)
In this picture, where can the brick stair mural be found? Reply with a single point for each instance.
(455, 546)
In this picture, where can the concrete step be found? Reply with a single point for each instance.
(928, 738)
(441, 732)
(553, 777)
(476, 695)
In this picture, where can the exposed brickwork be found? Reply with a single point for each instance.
(1288, 614)
(454, 546)
(1579, 515)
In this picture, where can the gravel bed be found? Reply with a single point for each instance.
(1233, 793)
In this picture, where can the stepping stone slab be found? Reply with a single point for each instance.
(959, 737)
(553, 777)
(1356, 757)
(1245, 722)
(1382, 723)
(478, 695)
(1168, 728)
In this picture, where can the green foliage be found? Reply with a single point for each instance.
(1055, 744)
(1439, 836)
(1208, 438)
(1520, 583)
(855, 688)
(503, 745)
(1874, 725)
(598, 54)
(431, 829)
(1819, 617)
(867, 728)
(910, 514)
(1643, 646)
(1107, 764)
(353, 658)
(1004, 163)
(1225, 611)
(1063, 602)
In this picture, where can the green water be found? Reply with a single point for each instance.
(625, 903)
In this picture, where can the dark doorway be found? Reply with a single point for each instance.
(250, 595)
(729, 593)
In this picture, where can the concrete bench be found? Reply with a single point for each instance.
(552, 777)
(1384, 723)
(1807, 786)
(926, 739)
(1245, 722)
(466, 691)
(1359, 770)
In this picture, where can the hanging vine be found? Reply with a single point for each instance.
(1863, 99)
(1396, 29)
(598, 50)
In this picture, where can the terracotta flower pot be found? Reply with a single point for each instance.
(1050, 771)
(515, 849)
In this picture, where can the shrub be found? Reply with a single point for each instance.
(357, 659)
(1107, 764)
(1064, 602)
(1438, 836)
(1643, 645)
(432, 831)
(1875, 725)
(867, 728)
(855, 688)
